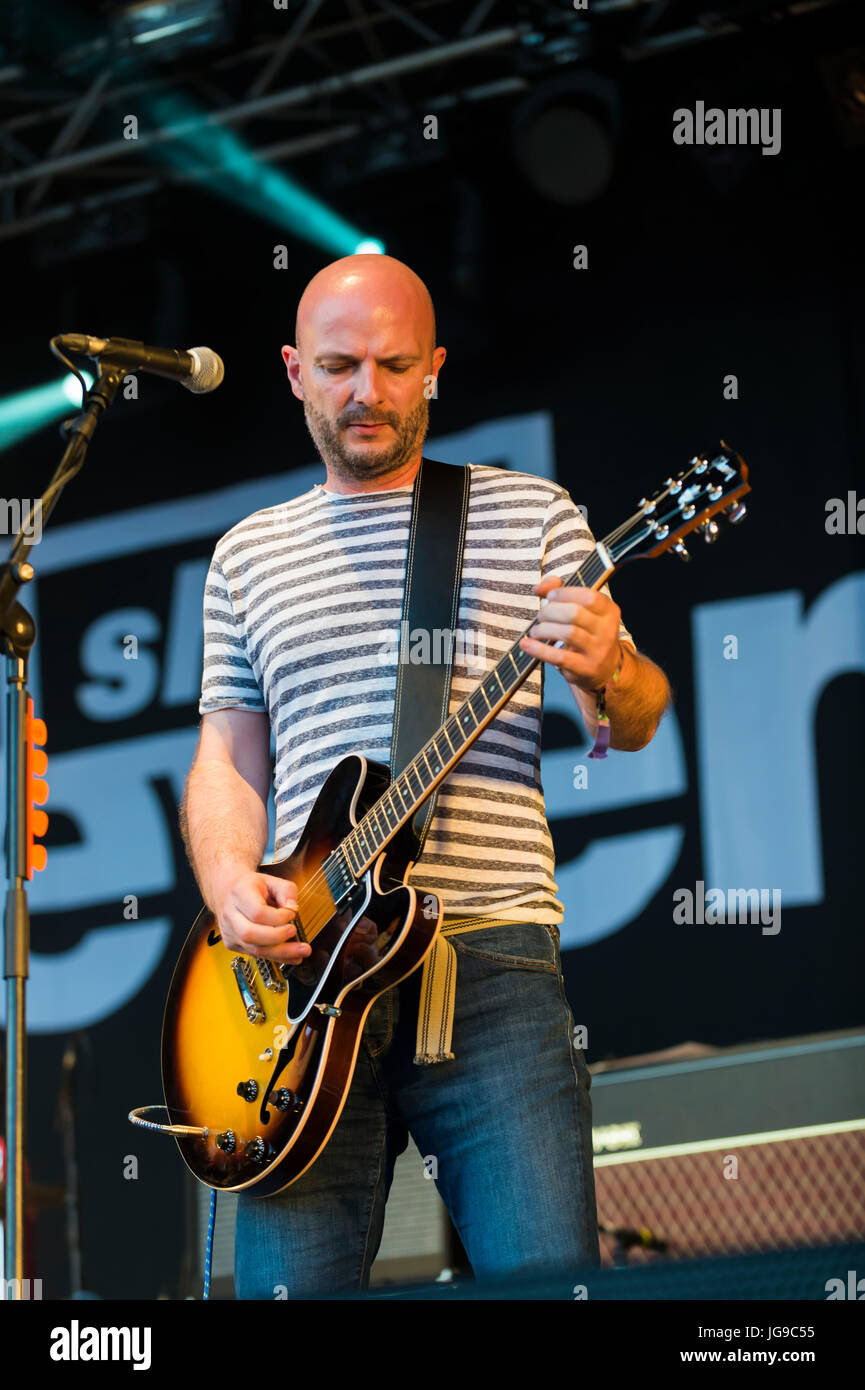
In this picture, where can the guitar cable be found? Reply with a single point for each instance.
(208, 1249)
(136, 1117)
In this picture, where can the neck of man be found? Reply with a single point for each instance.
(404, 473)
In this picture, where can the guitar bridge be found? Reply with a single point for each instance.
(248, 993)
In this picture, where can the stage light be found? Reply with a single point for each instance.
(231, 171)
(72, 387)
(29, 411)
(369, 247)
(170, 28)
(564, 136)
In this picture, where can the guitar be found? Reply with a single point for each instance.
(257, 1058)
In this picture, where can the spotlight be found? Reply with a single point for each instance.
(28, 411)
(564, 136)
(72, 388)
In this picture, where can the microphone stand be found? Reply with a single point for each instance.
(18, 632)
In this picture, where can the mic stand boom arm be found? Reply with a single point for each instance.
(18, 633)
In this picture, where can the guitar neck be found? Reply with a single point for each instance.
(442, 752)
(683, 505)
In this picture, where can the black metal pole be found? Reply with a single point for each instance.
(18, 631)
(17, 940)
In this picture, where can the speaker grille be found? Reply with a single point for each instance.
(806, 1190)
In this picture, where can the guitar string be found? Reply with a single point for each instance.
(319, 879)
(316, 880)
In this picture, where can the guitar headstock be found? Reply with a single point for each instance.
(689, 502)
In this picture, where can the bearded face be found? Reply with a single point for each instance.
(361, 442)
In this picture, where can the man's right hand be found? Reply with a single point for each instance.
(256, 912)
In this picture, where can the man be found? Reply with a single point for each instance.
(302, 602)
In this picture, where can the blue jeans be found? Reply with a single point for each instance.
(508, 1122)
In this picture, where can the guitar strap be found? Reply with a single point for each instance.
(430, 605)
(440, 503)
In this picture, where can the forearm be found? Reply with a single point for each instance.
(635, 703)
(223, 821)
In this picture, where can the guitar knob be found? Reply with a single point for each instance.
(284, 1099)
(679, 549)
(736, 513)
(258, 1150)
(226, 1141)
(247, 1089)
(710, 531)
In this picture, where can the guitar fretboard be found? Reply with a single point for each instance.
(420, 777)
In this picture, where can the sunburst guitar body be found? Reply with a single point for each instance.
(261, 1057)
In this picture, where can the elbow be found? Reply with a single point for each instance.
(653, 722)
(636, 741)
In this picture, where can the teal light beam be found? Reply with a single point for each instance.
(28, 411)
(236, 175)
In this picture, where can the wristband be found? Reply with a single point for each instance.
(602, 738)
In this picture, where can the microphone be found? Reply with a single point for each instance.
(199, 369)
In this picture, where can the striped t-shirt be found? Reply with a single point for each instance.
(302, 608)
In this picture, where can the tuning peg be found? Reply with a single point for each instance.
(709, 530)
(735, 513)
(679, 549)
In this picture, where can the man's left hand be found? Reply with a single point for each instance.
(587, 622)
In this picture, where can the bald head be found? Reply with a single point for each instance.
(365, 364)
(378, 289)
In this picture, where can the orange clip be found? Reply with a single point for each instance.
(37, 790)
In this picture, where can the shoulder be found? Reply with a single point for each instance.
(262, 527)
(489, 482)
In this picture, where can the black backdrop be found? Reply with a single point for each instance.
(699, 267)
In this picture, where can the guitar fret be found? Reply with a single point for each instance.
(442, 757)
(478, 714)
(344, 868)
(409, 771)
(432, 770)
(465, 711)
(352, 857)
(375, 825)
(522, 659)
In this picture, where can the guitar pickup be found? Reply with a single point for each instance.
(248, 993)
